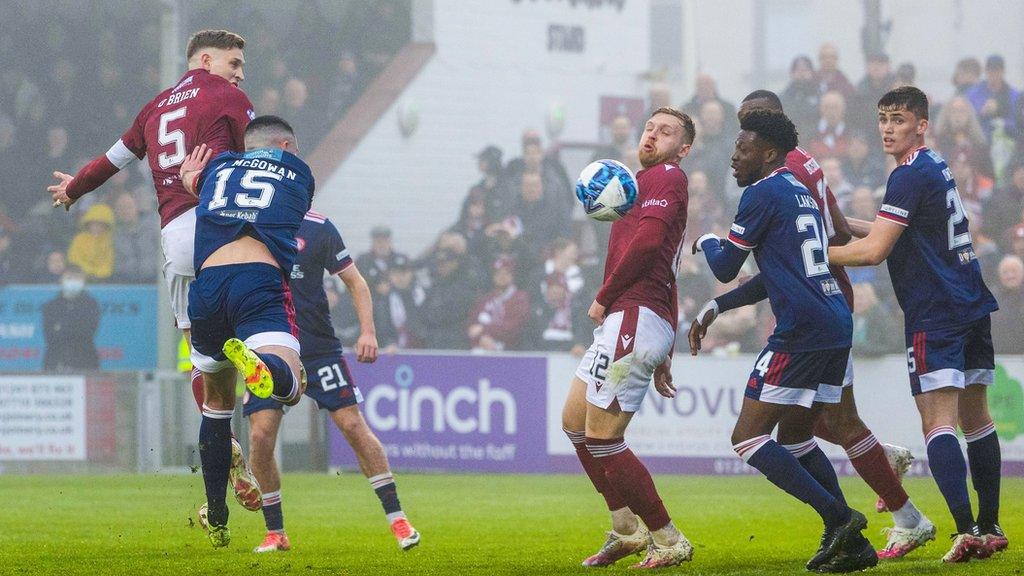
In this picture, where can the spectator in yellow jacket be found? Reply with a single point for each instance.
(92, 249)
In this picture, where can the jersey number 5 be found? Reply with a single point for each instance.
(248, 182)
(176, 137)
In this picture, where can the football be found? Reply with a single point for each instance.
(606, 189)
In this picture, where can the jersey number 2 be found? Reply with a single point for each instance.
(958, 216)
(812, 246)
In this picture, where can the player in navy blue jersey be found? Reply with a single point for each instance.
(876, 463)
(250, 207)
(321, 249)
(805, 359)
(922, 232)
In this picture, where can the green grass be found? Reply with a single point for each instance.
(471, 524)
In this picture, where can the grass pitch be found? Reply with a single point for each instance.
(471, 524)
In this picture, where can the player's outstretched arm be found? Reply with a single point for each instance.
(750, 292)
(859, 228)
(362, 299)
(870, 250)
(193, 166)
(91, 176)
(724, 258)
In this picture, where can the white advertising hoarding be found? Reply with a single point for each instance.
(692, 431)
(42, 418)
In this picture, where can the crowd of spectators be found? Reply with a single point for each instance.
(522, 268)
(518, 268)
(74, 76)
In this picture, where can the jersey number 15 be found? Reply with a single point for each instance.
(249, 183)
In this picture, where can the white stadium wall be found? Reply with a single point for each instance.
(492, 76)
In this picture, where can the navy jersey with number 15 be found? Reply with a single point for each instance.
(779, 220)
(263, 193)
(934, 270)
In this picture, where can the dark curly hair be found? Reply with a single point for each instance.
(772, 126)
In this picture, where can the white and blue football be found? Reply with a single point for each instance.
(606, 189)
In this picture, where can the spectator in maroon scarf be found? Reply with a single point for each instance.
(499, 317)
(830, 77)
(830, 137)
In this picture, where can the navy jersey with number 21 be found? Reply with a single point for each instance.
(263, 193)
(779, 221)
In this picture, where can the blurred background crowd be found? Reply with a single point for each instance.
(520, 261)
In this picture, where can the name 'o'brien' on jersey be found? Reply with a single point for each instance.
(780, 222)
(263, 193)
(934, 270)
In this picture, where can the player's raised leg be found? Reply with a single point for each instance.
(263, 428)
(374, 464)
(627, 535)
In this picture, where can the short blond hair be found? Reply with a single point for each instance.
(688, 127)
(222, 39)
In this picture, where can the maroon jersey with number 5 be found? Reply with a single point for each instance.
(201, 108)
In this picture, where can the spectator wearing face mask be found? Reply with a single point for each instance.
(70, 321)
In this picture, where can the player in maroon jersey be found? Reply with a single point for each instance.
(874, 462)
(635, 312)
(205, 106)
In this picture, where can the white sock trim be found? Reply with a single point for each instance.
(748, 448)
(802, 448)
(939, 431)
(381, 480)
(975, 435)
(576, 437)
(861, 448)
(217, 414)
(271, 498)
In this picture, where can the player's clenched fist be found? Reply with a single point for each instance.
(699, 327)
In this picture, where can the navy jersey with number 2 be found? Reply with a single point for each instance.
(263, 193)
(934, 270)
(779, 221)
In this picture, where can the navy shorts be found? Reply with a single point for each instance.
(250, 302)
(330, 385)
(798, 378)
(954, 357)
